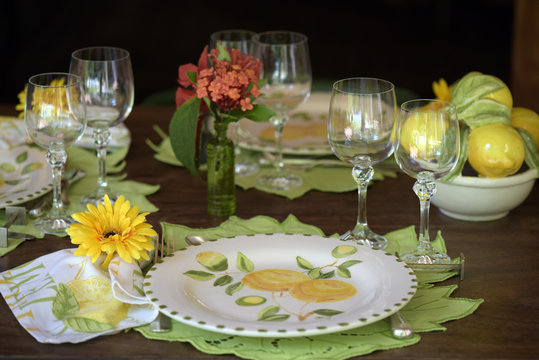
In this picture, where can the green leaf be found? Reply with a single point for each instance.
(15, 181)
(344, 272)
(199, 275)
(81, 324)
(223, 280)
(327, 275)
(7, 167)
(304, 264)
(531, 155)
(65, 303)
(485, 111)
(463, 155)
(276, 317)
(223, 53)
(258, 113)
(343, 251)
(31, 167)
(192, 75)
(22, 157)
(183, 134)
(268, 311)
(471, 87)
(327, 312)
(349, 263)
(243, 263)
(231, 289)
(314, 273)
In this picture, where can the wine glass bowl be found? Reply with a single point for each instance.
(427, 148)
(108, 81)
(55, 118)
(361, 118)
(287, 75)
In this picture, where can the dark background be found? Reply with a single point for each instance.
(409, 42)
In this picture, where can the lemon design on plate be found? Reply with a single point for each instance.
(495, 150)
(273, 279)
(96, 300)
(322, 290)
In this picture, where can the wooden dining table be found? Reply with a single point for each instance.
(502, 265)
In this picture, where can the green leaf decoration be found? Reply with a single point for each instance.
(485, 111)
(304, 264)
(327, 312)
(22, 157)
(343, 251)
(327, 275)
(344, 272)
(349, 263)
(199, 275)
(314, 273)
(31, 167)
(251, 300)
(471, 87)
(531, 155)
(276, 317)
(15, 181)
(268, 311)
(212, 261)
(65, 303)
(231, 289)
(7, 167)
(183, 134)
(81, 324)
(223, 280)
(463, 155)
(244, 264)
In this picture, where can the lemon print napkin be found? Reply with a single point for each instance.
(62, 298)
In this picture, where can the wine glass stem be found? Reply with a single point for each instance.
(57, 157)
(101, 140)
(425, 188)
(278, 123)
(362, 174)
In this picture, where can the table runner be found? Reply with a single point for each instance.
(428, 309)
(321, 178)
(134, 191)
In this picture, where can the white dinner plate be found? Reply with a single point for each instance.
(24, 175)
(305, 132)
(279, 285)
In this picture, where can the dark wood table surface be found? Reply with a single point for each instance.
(502, 265)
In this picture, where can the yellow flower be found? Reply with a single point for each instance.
(112, 229)
(22, 101)
(441, 90)
(41, 95)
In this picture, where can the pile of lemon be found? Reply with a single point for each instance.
(496, 138)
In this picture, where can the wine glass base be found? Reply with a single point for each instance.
(54, 225)
(280, 181)
(243, 167)
(366, 237)
(425, 257)
(98, 197)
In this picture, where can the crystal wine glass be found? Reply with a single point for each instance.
(237, 39)
(427, 148)
(108, 81)
(55, 118)
(362, 113)
(287, 73)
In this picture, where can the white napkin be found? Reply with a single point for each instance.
(61, 297)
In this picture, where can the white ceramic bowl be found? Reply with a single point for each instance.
(481, 199)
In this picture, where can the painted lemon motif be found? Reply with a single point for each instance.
(96, 301)
(495, 150)
(413, 138)
(273, 279)
(528, 120)
(322, 290)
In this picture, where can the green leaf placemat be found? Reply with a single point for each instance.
(86, 159)
(321, 178)
(428, 309)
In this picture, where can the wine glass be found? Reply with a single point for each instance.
(237, 39)
(108, 81)
(362, 113)
(427, 148)
(55, 118)
(287, 73)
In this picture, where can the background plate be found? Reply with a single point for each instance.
(212, 297)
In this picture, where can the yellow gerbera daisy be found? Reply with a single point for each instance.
(111, 229)
(441, 90)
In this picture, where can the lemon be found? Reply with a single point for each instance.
(96, 301)
(422, 133)
(495, 150)
(503, 96)
(528, 120)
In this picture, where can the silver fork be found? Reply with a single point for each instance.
(162, 322)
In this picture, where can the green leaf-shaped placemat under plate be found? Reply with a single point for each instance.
(431, 306)
(321, 178)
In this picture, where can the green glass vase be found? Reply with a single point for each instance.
(221, 196)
